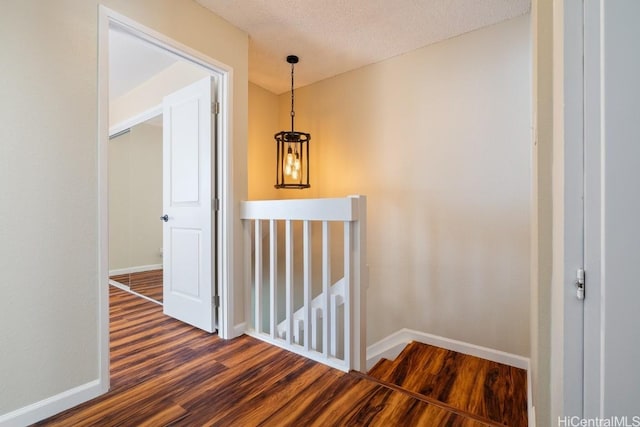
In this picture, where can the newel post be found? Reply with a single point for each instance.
(360, 285)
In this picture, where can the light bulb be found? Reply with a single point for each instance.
(287, 169)
(296, 162)
(289, 156)
(294, 174)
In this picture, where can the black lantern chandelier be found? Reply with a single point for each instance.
(292, 151)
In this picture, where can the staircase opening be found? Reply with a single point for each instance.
(306, 277)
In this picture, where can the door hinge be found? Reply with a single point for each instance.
(580, 283)
(215, 204)
(215, 108)
(215, 301)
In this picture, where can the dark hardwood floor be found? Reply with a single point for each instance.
(470, 384)
(164, 372)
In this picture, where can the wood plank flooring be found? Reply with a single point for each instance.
(470, 384)
(164, 372)
(147, 283)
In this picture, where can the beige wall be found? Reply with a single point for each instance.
(263, 125)
(48, 179)
(439, 140)
(48, 231)
(542, 245)
(135, 198)
(562, 244)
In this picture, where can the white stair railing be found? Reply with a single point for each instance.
(330, 326)
(336, 300)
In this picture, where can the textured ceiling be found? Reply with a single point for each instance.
(335, 36)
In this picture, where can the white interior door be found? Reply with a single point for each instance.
(612, 210)
(188, 141)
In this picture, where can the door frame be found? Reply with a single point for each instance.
(593, 209)
(567, 321)
(602, 100)
(222, 168)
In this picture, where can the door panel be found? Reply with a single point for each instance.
(184, 148)
(185, 272)
(187, 194)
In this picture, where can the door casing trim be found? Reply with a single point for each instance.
(222, 170)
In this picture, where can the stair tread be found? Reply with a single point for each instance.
(472, 384)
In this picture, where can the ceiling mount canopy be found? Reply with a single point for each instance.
(292, 149)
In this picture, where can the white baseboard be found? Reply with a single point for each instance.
(119, 285)
(136, 269)
(239, 329)
(388, 347)
(128, 289)
(392, 345)
(53, 405)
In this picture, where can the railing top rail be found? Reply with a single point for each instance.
(328, 209)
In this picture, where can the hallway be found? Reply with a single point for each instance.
(164, 372)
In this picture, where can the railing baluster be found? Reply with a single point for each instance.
(258, 275)
(314, 329)
(289, 279)
(360, 284)
(273, 275)
(248, 265)
(333, 335)
(306, 233)
(348, 286)
(340, 344)
(296, 329)
(326, 278)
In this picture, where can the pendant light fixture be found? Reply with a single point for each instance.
(292, 150)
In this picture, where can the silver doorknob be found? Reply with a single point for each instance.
(165, 218)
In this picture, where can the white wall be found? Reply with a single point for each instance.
(149, 94)
(48, 180)
(135, 198)
(439, 140)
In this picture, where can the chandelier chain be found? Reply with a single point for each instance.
(293, 113)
